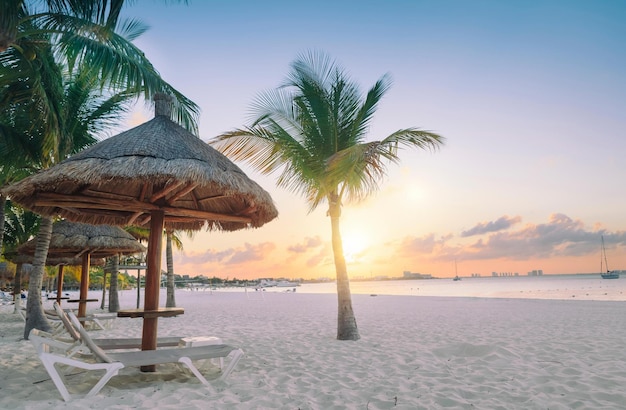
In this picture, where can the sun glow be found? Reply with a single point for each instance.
(414, 193)
(354, 246)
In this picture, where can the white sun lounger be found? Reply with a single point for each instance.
(79, 345)
(95, 319)
(54, 319)
(111, 363)
(55, 323)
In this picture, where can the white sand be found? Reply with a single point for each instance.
(415, 353)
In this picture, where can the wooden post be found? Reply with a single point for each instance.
(60, 284)
(138, 287)
(84, 286)
(153, 280)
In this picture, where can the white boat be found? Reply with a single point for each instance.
(608, 274)
(286, 284)
(266, 283)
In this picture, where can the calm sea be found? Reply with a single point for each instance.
(583, 287)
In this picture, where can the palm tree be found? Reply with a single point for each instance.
(38, 37)
(170, 300)
(90, 32)
(41, 52)
(8, 173)
(21, 131)
(19, 228)
(172, 239)
(82, 111)
(313, 128)
(114, 300)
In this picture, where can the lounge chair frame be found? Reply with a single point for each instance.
(79, 346)
(53, 352)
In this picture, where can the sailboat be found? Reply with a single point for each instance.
(608, 274)
(456, 273)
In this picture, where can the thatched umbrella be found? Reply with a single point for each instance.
(60, 262)
(78, 241)
(157, 175)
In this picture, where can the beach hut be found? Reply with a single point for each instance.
(157, 175)
(74, 241)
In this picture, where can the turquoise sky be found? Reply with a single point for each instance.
(531, 96)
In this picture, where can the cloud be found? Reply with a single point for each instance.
(309, 243)
(322, 258)
(317, 252)
(251, 253)
(502, 223)
(560, 236)
(427, 244)
(230, 256)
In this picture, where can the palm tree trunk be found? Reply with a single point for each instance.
(35, 317)
(114, 298)
(346, 322)
(3, 202)
(170, 300)
(17, 288)
(104, 284)
(16, 298)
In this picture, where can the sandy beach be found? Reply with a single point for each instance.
(415, 353)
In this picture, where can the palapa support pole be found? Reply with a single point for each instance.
(138, 287)
(84, 286)
(152, 288)
(153, 259)
(60, 284)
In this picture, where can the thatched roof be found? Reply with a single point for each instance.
(157, 165)
(72, 240)
(51, 261)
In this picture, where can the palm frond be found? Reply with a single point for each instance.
(20, 225)
(140, 233)
(312, 129)
(89, 112)
(176, 241)
(359, 169)
(116, 61)
(31, 81)
(131, 29)
(414, 138)
(361, 120)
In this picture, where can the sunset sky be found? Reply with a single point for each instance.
(530, 96)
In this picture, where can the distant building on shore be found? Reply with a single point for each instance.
(504, 274)
(410, 275)
(537, 272)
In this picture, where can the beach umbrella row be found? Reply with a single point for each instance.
(59, 262)
(156, 175)
(78, 244)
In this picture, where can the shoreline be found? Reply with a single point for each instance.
(543, 287)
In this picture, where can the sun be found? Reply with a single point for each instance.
(354, 246)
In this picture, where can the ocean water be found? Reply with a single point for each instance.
(561, 287)
(557, 287)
